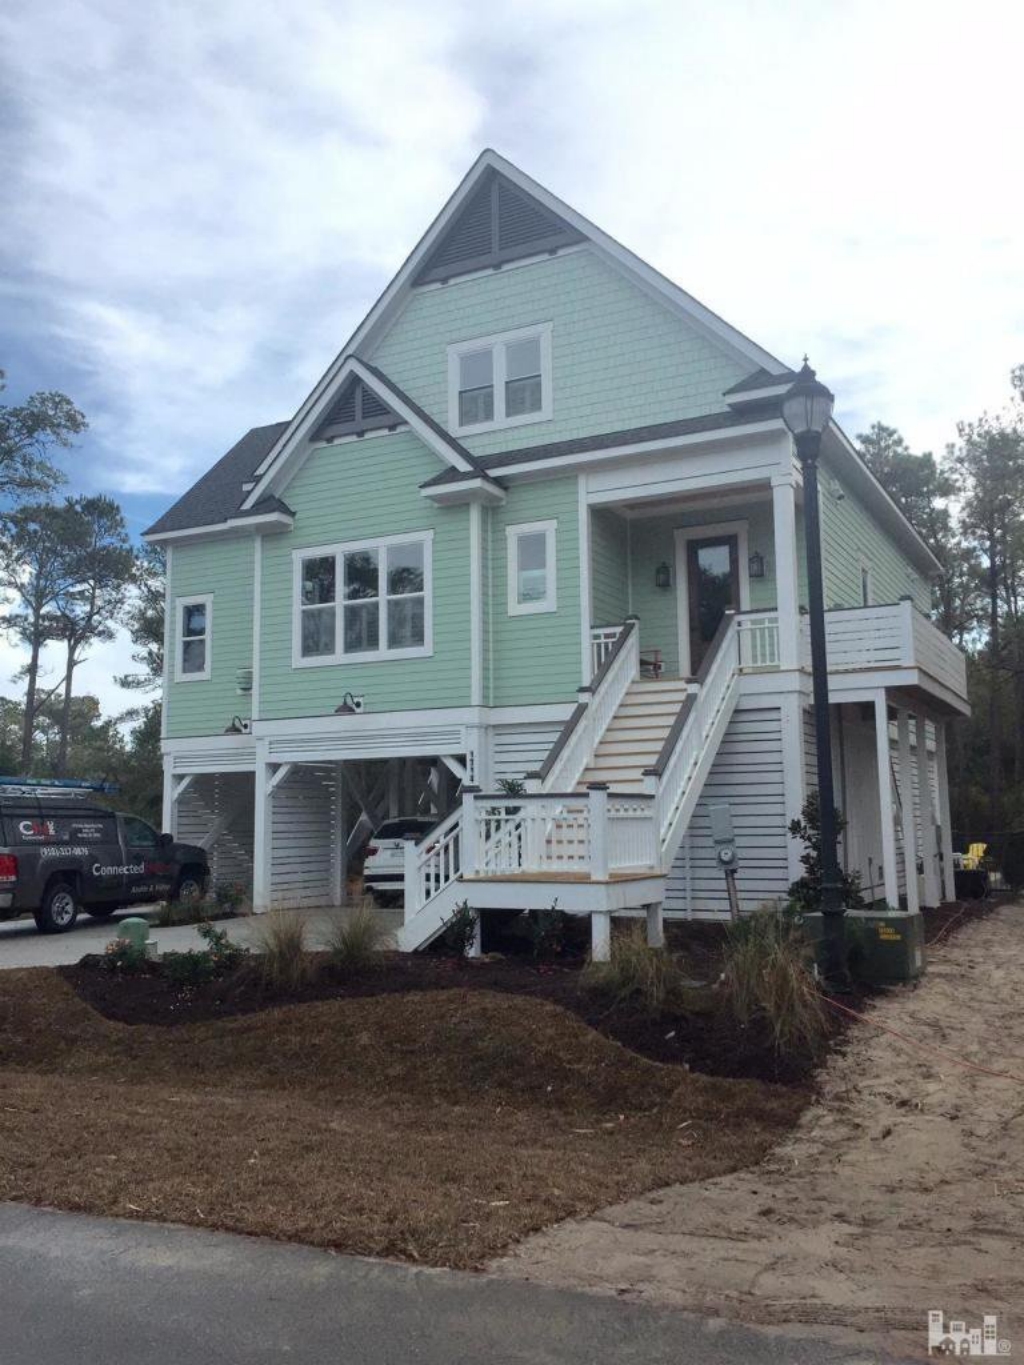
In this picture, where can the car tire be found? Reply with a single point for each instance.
(59, 909)
(190, 886)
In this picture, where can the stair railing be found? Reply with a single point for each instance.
(598, 702)
(669, 778)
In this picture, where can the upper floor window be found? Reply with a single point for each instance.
(192, 649)
(363, 600)
(531, 568)
(500, 381)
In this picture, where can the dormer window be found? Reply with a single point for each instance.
(500, 381)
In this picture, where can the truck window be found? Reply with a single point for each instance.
(138, 833)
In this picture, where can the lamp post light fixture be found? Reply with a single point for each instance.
(807, 411)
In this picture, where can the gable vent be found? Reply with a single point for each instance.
(355, 410)
(496, 224)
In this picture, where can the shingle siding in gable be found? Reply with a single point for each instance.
(620, 359)
(850, 535)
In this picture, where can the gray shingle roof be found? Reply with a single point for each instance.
(219, 495)
(658, 431)
(761, 379)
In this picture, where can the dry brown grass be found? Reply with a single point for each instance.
(434, 1128)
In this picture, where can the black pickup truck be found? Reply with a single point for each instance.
(61, 856)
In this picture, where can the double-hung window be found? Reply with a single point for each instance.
(361, 601)
(194, 617)
(531, 568)
(500, 381)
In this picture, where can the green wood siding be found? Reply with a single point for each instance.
(358, 490)
(224, 569)
(850, 535)
(619, 358)
(536, 659)
(609, 567)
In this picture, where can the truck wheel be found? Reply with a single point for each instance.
(59, 909)
(189, 887)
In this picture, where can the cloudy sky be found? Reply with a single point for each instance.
(201, 198)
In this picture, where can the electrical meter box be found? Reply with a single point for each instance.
(881, 949)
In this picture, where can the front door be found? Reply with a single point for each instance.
(713, 580)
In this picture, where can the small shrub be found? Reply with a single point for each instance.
(768, 978)
(547, 930)
(647, 980)
(229, 897)
(172, 912)
(124, 956)
(356, 942)
(225, 955)
(194, 967)
(511, 786)
(459, 932)
(806, 891)
(283, 962)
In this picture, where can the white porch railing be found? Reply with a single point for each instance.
(895, 635)
(758, 639)
(576, 744)
(602, 642)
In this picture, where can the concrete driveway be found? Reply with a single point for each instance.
(21, 944)
(134, 1293)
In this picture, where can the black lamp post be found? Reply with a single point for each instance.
(807, 410)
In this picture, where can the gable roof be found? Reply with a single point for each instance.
(391, 301)
(218, 495)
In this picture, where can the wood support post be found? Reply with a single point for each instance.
(600, 936)
(882, 760)
(945, 830)
(655, 925)
(909, 824)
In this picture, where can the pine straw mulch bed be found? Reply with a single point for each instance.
(434, 1127)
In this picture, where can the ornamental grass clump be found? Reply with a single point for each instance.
(282, 960)
(646, 980)
(768, 980)
(357, 940)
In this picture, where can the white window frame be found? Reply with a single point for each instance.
(424, 538)
(549, 602)
(496, 344)
(180, 603)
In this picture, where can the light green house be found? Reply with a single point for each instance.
(541, 520)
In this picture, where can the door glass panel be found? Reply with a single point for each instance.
(712, 571)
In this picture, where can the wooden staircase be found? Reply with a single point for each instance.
(635, 734)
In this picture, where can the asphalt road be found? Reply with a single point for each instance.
(76, 1289)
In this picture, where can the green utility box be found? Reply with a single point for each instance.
(883, 949)
(135, 929)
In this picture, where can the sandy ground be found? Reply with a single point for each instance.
(901, 1189)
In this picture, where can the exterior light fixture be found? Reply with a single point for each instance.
(350, 706)
(663, 576)
(755, 566)
(807, 411)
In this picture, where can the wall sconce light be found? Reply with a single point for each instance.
(663, 576)
(350, 705)
(756, 565)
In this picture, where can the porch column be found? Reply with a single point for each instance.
(907, 812)
(892, 891)
(262, 833)
(600, 936)
(786, 577)
(945, 831)
(170, 809)
(929, 816)
(655, 925)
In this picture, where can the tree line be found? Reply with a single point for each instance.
(70, 577)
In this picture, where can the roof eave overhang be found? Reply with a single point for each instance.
(482, 490)
(269, 523)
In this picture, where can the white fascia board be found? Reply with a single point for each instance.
(665, 445)
(289, 452)
(852, 462)
(737, 400)
(271, 521)
(391, 301)
(475, 490)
